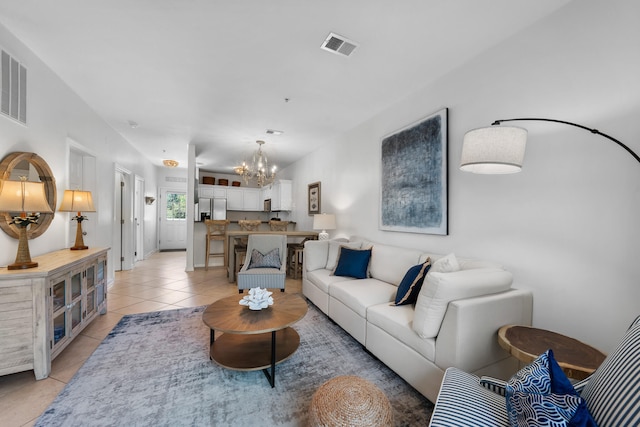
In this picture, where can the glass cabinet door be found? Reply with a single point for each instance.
(101, 285)
(76, 314)
(76, 305)
(59, 295)
(59, 302)
(90, 274)
(76, 285)
(91, 302)
(59, 327)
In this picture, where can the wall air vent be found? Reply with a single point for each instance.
(339, 45)
(13, 101)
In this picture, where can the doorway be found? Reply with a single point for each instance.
(138, 218)
(173, 219)
(123, 229)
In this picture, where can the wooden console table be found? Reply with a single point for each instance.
(43, 309)
(577, 359)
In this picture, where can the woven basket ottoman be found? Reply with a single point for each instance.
(349, 400)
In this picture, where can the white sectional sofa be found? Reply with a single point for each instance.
(459, 312)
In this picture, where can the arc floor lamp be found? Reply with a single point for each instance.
(500, 149)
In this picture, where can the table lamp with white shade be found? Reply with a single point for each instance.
(324, 222)
(29, 199)
(77, 201)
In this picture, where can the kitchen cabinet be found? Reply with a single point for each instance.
(252, 200)
(238, 198)
(219, 192)
(281, 195)
(205, 191)
(243, 199)
(235, 199)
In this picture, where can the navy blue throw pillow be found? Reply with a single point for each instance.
(353, 263)
(411, 284)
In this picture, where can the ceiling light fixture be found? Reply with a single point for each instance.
(170, 163)
(258, 170)
(274, 132)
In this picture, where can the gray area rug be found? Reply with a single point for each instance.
(153, 369)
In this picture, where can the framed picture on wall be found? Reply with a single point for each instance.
(314, 198)
(413, 191)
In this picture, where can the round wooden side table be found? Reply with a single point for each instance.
(577, 359)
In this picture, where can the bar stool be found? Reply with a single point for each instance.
(216, 230)
(240, 247)
(278, 225)
(295, 252)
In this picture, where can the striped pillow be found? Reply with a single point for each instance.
(613, 391)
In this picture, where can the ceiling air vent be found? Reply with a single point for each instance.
(13, 77)
(338, 45)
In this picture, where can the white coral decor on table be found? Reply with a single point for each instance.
(257, 299)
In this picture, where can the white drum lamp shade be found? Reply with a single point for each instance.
(324, 222)
(493, 150)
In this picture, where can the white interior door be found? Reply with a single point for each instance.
(123, 230)
(138, 218)
(173, 219)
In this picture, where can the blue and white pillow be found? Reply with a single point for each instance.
(269, 260)
(411, 284)
(540, 394)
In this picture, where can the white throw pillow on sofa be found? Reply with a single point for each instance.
(446, 264)
(441, 288)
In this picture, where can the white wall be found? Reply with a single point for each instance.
(54, 114)
(566, 226)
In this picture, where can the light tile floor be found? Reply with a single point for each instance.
(158, 283)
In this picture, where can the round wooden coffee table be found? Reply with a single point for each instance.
(577, 359)
(249, 338)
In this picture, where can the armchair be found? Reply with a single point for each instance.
(612, 392)
(267, 274)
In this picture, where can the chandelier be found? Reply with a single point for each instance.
(258, 170)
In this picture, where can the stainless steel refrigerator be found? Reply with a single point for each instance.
(212, 209)
(219, 209)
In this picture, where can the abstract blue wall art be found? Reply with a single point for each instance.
(413, 194)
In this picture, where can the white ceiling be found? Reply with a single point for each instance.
(216, 73)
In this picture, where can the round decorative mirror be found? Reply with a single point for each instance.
(18, 164)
